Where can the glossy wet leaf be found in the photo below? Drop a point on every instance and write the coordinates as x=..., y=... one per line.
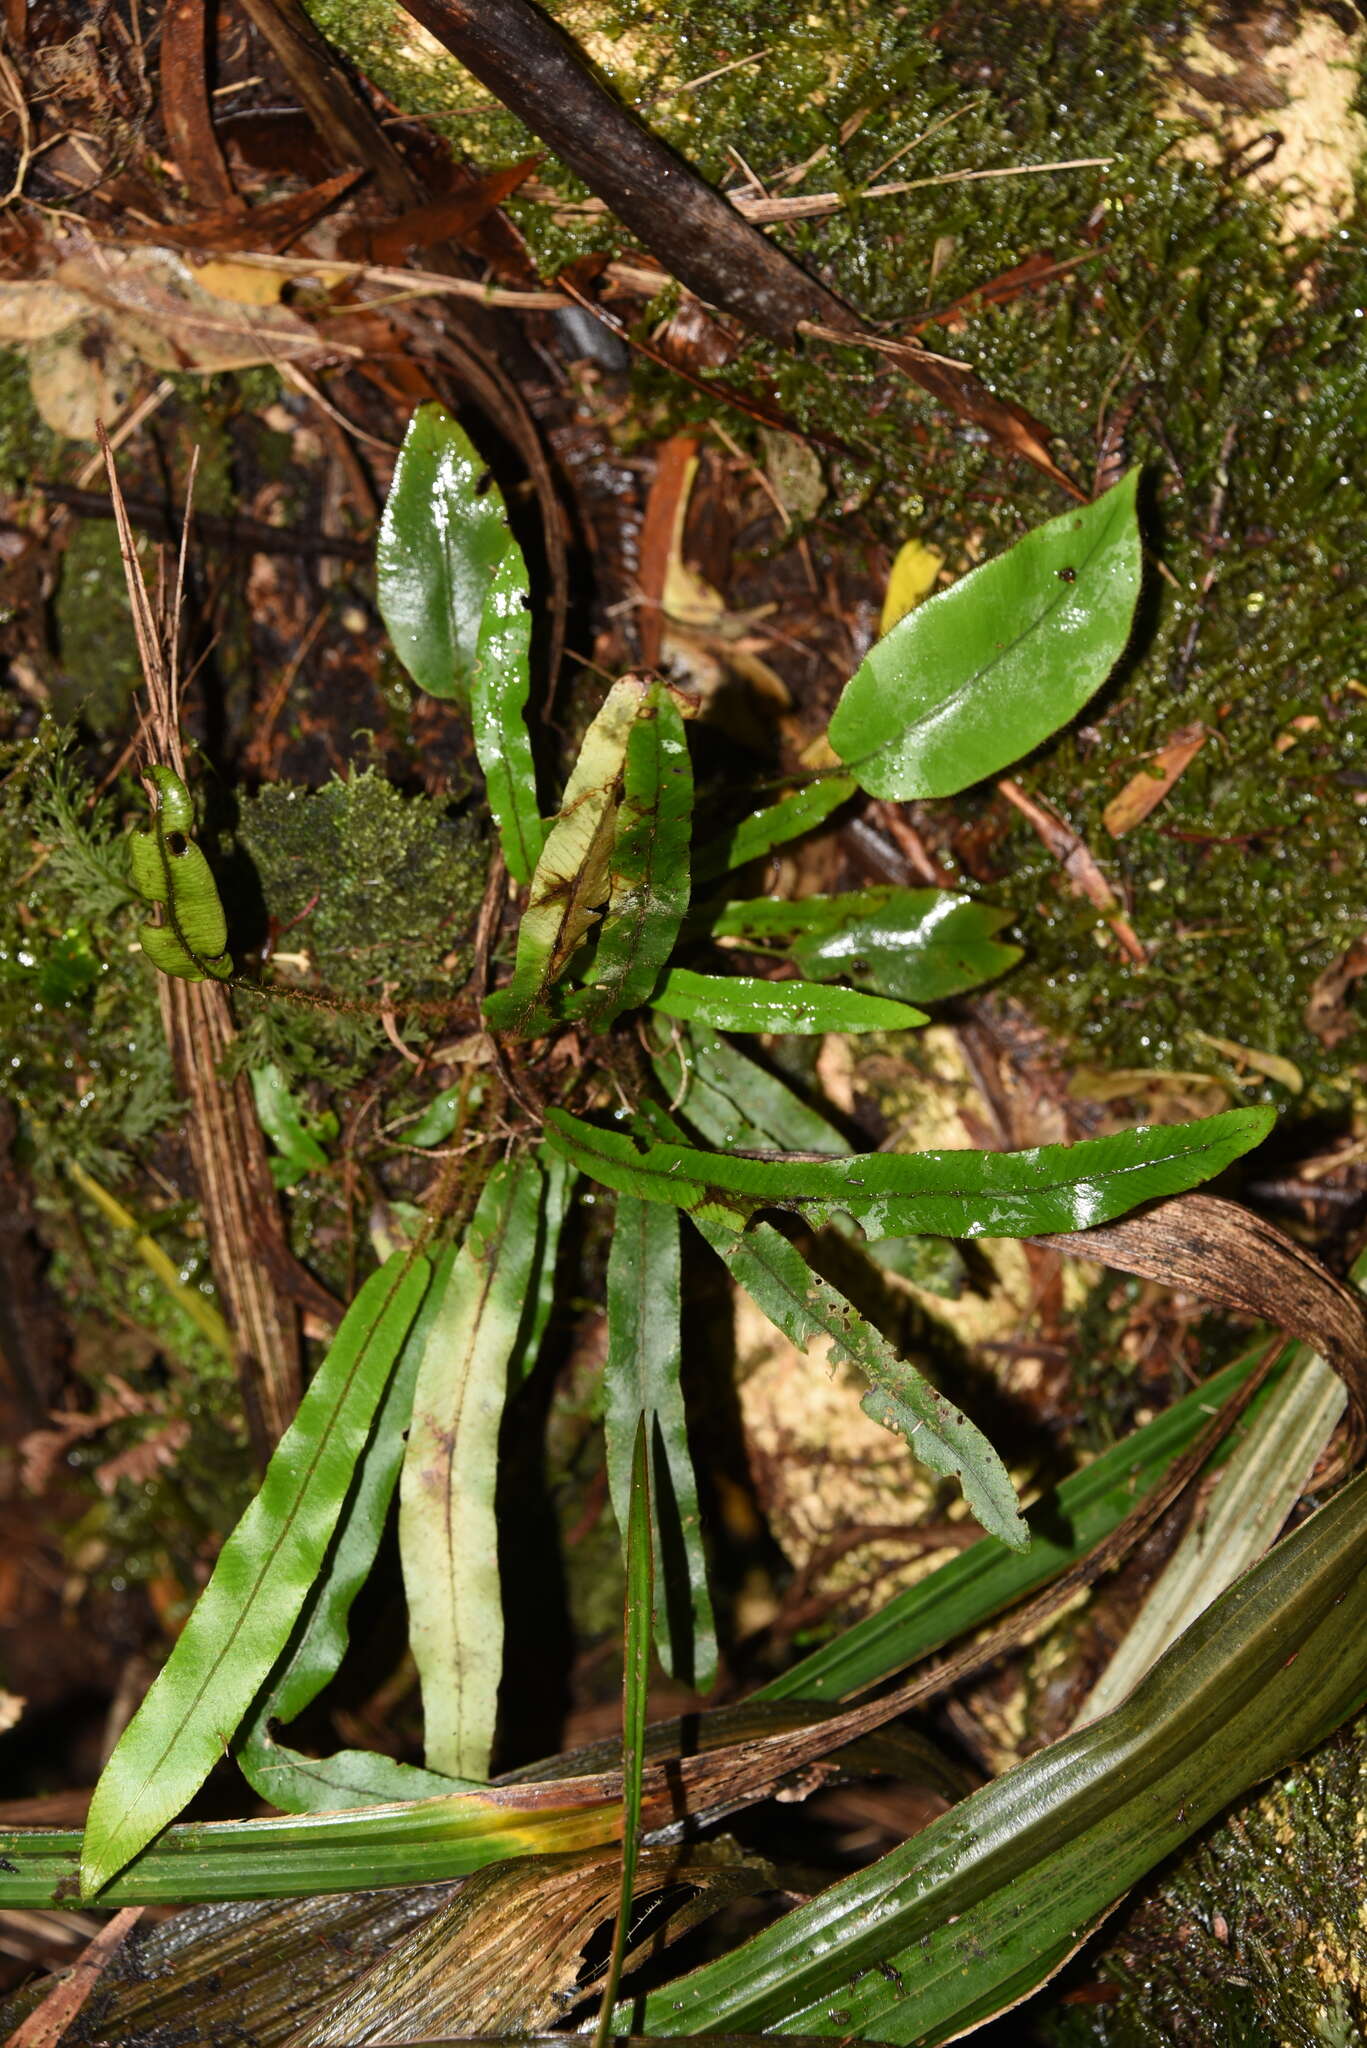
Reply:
x=166, y=867
x=805, y=1307
x=950, y=1194
x=973, y=1912
x=734, y=1002
x=498, y=705
x=448, y=1537
x=648, y=866
x=442, y=538
x=730, y=1100
x=641, y=1386
x=981, y=673
x=572, y=877
x=244, y=1617
x=772, y=825
x=298, y=1150
x=304, y=1784
x=919, y=944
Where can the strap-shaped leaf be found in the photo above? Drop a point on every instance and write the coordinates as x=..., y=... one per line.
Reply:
x=973, y=1912
x=731, y=1101
x=641, y=1385
x=984, y=671
x=949, y=1194
x=559, y=1180
x=801, y=1304
x=498, y=706
x=571, y=882
x=166, y=867
x=734, y=1002
x=351, y=1777
x=448, y=1537
x=244, y=1617
x=919, y=944
x=648, y=866
x=772, y=826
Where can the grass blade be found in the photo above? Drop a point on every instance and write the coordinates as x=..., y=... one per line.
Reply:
x=635, y=1697
x=948, y=1194
x=1065, y=1524
x=641, y=1386
x=733, y=1002
x=649, y=865
x=263, y=1575
x=970, y=1914
x=448, y=1537
x=981, y=673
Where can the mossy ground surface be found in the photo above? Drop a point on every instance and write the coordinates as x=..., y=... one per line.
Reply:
x=1228, y=360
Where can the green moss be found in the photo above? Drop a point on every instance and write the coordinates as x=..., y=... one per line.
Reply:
x=376, y=885
x=1237, y=360
x=1254, y=1934
x=87, y=1061
x=97, y=653
x=26, y=445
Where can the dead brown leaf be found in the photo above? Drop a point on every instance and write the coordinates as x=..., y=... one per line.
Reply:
x=1146, y=790
x=1327, y=1013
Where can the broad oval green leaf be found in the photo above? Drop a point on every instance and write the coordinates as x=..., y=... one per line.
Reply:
x=919, y=944
x=641, y=1384
x=984, y=671
x=901, y=1194
x=448, y=1537
x=442, y=538
x=969, y=1915
x=244, y=1617
x=735, y=1002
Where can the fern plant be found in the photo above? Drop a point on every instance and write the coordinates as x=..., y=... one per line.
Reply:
x=627, y=899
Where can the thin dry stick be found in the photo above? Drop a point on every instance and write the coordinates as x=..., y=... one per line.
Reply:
x=47, y=2023
x=227, y=1148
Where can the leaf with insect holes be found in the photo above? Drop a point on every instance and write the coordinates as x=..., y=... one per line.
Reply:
x=243, y=1619
x=166, y=867
x=981, y=673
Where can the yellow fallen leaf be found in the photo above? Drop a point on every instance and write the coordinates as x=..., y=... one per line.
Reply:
x=1144, y=791
x=1271, y=1064
x=241, y=282
x=912, y=579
